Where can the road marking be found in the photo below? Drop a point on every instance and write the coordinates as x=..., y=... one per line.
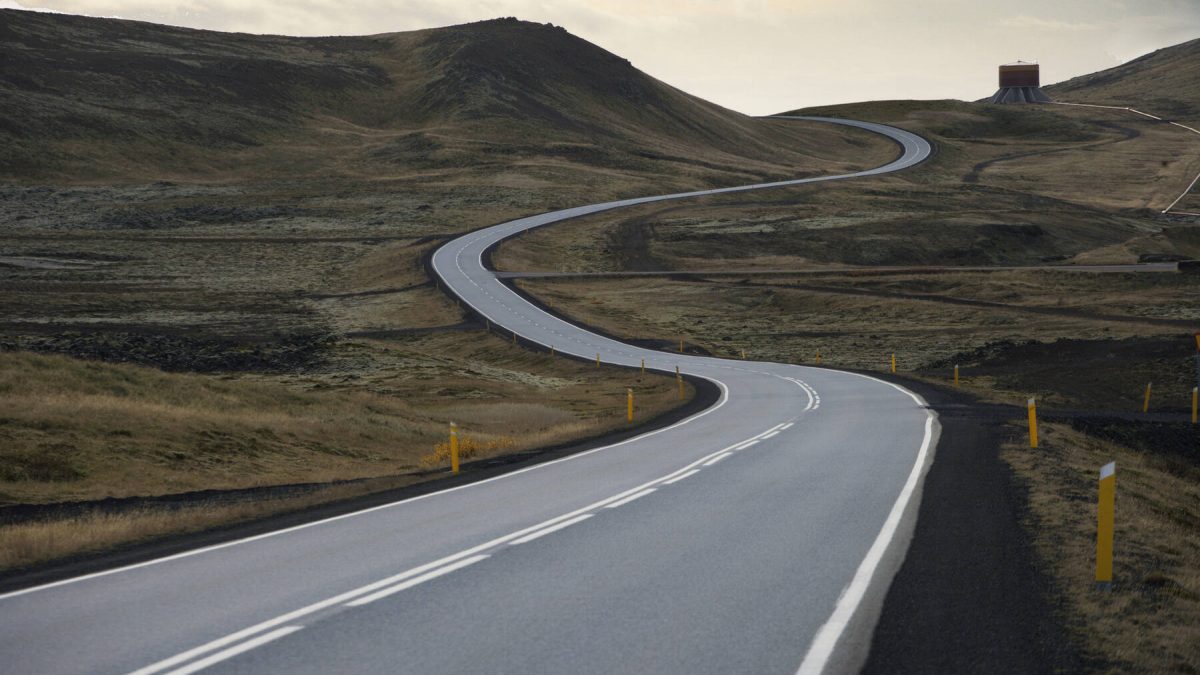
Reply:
x=718, y=458
x=724, y=398
x=349, y=595
x=747, y=444
x=680, y=477
x=550, y=530
x=826, y=639
x=234, y=651
x=773, y=434
x=636, y=495
x=787, y=426
x=428, y=576
x=814, y=401
x=906, y=139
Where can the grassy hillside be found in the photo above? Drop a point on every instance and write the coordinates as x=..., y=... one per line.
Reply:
x=1166, y=82
x=91, y=100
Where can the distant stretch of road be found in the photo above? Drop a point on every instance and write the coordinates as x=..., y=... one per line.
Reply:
x=758, y=535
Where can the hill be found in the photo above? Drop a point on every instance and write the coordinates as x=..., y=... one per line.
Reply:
x=1166, y=82
x=107, y=100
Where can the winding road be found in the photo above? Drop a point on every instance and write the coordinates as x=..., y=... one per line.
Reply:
x=758, y=535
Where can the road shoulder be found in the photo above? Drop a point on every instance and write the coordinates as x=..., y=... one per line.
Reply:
x=969, y=596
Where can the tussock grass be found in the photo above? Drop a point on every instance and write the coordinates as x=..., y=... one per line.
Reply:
x=861, y=331
x=469, y=447
x=81, y=430
x=77, y=430
x=1149, y=620
x=27, y=544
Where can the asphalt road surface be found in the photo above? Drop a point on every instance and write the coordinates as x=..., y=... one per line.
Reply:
x=758, y=535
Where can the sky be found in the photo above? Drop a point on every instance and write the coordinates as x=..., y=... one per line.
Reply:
x=754, y=56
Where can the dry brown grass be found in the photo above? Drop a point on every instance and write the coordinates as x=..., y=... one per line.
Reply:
x=784, y=318
x=1148, y=622
x=78, y=430
x=28, y=544
x=1089, y=156
x=505, y=104
x=469, y=448
x=84, y=430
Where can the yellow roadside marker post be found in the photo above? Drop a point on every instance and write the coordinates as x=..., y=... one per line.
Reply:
x=629, y=405
x=893, y=362
x=453, y=448
x=597, y=359
x=818, y=357
x=1033, y=441
x=514, y=338
x=1197, y=357
x=1104, y=531
x=1146, y=401
x=643, y=366
x=743, y=354
x=680, y=345
x=956, y=374
x=1195, y=399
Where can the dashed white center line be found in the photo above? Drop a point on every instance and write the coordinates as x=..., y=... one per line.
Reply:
x=787, y=426
x=235, y=650
x=428, y=576
x=636, y=495
x=680, y=477
x=428, y=572
x=550, y=530
x=773, y=434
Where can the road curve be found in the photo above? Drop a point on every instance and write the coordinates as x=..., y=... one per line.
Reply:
x=756, y=536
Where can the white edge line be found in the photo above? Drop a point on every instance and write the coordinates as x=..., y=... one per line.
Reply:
x=235, y=650
x=718, y=458
x=215, y=547
x=827, y=637
x=428, y=576
x=552, y=529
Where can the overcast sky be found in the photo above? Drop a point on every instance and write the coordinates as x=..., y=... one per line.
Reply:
x=755, y=56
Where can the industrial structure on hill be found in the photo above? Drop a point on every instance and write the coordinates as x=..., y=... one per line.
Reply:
x=1020, y=82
